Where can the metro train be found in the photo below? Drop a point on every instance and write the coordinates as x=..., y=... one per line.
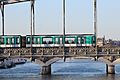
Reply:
x=71, y=40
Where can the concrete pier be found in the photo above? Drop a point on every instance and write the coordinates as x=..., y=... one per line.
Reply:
x=110, y=69
x=46, y=70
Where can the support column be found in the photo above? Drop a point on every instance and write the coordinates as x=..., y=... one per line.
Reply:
x=46, y=70
x=110, y=69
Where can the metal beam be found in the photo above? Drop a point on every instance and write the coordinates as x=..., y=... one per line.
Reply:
x=64, y=25
x=33, y=12
x=95, y=18
x=95, y=22
x=3, y=20
x=32, y=24
x=13, y=1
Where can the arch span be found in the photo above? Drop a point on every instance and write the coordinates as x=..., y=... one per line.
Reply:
x=117, y=61
x=49, y=62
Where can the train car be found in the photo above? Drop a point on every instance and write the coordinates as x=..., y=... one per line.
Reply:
x=10, y=41
x=79, y=40
x=57, y=40
x=71, y=40
x=43, y=41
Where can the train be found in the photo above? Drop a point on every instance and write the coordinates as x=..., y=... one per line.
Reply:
x=69, y=40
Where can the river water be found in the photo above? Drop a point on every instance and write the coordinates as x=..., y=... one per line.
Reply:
x=69, y=70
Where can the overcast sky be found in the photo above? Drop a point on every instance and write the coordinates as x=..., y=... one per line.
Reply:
x=79, y=17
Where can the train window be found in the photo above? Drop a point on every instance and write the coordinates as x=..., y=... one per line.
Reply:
x=47, y=40
x=12, y=40
x=8, y=40
x=44, y=42
x=1, y=40
x=70, y=40
x=79, y=40
x=17, y=40
x=93, y=39
x=61, y=41
x=56, y=41
x=38, y=39
x=82, y=40
x=66, y=42
x=28, y=40
x=34, y=40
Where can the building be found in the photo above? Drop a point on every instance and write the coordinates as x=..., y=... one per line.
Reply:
x=100, y=41
x=112, y=42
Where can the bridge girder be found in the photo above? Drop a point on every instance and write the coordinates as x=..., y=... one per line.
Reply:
x=12, y=1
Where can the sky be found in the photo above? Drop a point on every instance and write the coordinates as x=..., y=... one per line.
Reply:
x=79, y=17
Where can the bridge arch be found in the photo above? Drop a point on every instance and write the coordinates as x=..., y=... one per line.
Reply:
x=110, y=64
x=47, y=63
x=117, y=61
x=46, y=66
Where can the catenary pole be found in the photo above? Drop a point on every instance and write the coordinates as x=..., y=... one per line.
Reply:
x=95, y=22
x=64, y=25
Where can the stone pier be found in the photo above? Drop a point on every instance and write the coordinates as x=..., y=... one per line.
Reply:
x=46, y=70
x=45, y=63
x=110, y=69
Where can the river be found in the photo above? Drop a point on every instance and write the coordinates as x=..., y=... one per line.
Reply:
x=69, y=70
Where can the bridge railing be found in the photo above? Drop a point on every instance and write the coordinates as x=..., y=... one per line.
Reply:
x=53, y=51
